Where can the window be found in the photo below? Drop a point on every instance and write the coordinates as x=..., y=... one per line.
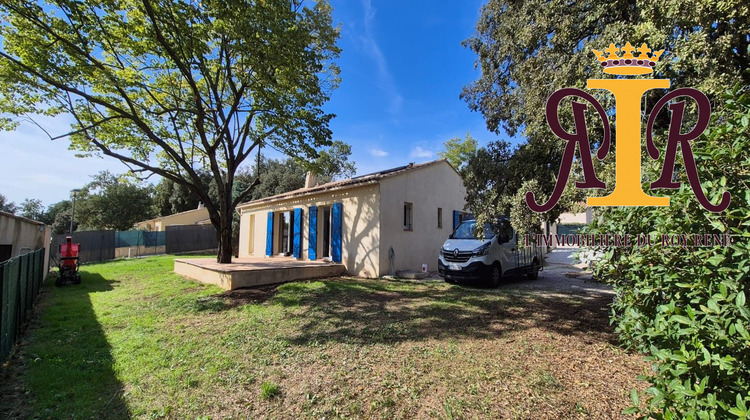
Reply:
x=440, y=218
x=286, y=239
x=407, y=216
x=325, y=220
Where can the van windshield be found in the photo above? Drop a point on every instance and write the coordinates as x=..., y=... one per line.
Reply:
x=467, y=230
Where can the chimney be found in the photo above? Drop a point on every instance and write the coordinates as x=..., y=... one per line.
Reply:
x=311, y=179
x=200, y=205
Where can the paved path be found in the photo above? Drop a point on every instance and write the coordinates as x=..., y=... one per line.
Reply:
x=562, y=273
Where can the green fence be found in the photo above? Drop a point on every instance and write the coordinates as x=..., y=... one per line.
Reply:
x=20, y=281
x=128, y=238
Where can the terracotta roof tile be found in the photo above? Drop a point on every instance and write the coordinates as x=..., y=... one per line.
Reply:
x=371, y=178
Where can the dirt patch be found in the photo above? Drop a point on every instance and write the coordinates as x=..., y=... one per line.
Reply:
x=439, y=351
x=239, y=297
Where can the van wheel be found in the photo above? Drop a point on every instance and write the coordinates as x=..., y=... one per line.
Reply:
x=496, y=274
x=533, y=273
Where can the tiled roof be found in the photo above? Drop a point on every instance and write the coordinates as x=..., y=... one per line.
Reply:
x=371, y=178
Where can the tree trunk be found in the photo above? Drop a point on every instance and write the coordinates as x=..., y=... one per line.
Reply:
x=224, y=236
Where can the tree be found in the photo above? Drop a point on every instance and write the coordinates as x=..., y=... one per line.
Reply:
x=162, y=193
x=458, y=152
x=684, y=305
x=111, y=202
x=529, y=49
x=171, y=87
x=497, y=178
x=7, y=206
x=685, y=302
x=277, y=177
x=61, y=223
x=333, y=162
x=171, y=198
x=526, y=50
x=32, y=209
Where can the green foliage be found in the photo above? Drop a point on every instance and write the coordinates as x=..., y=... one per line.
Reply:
x=171, y=87
x=497, y=178
x=458, y=152
x=277, y=176
x=171, y=197
x=58, y=217
x=7, y=206
x=32, y=209
x=688, y=306
x=333, y=162
x=111, y=202
x=269, y=390
x=528, y=49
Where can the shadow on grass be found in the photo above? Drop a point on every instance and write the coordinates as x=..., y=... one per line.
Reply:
x=65, y=364
x=369, y=312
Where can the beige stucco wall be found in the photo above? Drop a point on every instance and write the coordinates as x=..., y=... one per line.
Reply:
x=427, y=189
x=190, y=217
x=139, y=251
x=25, y=235
x=360, y=226
x=582, y=218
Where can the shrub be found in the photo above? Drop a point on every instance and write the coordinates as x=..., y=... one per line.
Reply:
x=687, y=306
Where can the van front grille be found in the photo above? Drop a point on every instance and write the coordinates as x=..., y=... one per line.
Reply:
x=462, y=256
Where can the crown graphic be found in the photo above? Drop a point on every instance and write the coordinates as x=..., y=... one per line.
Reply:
x=628, y=64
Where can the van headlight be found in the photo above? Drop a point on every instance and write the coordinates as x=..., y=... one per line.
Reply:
x=482, y=250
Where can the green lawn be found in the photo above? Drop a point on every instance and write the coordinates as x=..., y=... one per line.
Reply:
x=136, y=340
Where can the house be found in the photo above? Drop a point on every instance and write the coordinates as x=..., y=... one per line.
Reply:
x=569, y=224
x=198, y=216
x=19, y=236
x=374, y=224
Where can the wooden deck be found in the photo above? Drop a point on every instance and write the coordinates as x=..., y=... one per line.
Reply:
x=249, y=272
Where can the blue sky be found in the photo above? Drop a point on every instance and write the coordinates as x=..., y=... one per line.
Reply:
x=402, y=70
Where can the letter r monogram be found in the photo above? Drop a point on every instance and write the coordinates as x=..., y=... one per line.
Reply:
x=628, y=190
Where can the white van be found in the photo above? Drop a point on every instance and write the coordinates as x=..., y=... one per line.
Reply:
x=464, y=257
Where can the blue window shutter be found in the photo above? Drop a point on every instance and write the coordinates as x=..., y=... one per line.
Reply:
x=269, y=235
x=297, y=240
x=336, y=232
x=456, y=218
x=312, y=240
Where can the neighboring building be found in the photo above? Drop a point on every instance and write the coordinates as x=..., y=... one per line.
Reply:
x=410, y=209
x=19, y=236
x=198, y=216
x=571, y=223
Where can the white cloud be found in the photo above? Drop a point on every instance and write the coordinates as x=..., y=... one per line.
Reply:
x=421, y=153
x=378, y=152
